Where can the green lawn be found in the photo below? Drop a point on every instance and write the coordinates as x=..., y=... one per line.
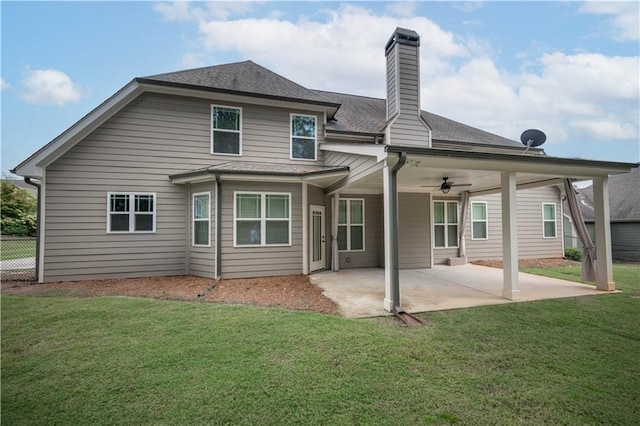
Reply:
x=132, y=361
x=16, y=248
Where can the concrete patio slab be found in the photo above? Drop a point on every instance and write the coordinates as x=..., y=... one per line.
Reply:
x=359, y=293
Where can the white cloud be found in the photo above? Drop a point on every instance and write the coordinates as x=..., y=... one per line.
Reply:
x=342, y=50
x=4, y=85
x=468, y=6
x=186, y=11
x=403, y=9
x=624, y=17
x=50, y=87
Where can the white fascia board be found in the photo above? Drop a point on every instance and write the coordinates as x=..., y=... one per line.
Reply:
x=34, y=165
x=370, y=150
x=513, y=165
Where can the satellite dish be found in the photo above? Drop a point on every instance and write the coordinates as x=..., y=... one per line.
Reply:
x=533, y=137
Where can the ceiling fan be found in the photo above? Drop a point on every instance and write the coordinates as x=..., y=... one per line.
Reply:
x=446, y=186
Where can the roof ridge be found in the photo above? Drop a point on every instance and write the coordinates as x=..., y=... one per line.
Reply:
x=198, y=68
x=348, y=94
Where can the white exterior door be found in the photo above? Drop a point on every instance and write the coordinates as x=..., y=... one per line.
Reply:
x=316, y=238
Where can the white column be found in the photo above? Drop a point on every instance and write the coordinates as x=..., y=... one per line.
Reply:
x=386, y=191
x=335, y=212
x=305, y=230
x=604, y=269
x=510, y=287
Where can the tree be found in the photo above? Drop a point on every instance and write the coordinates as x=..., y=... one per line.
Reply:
x=18, y=211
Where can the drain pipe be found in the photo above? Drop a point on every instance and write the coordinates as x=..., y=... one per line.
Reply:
x=218, y=226
x=38, y=223
x=395, y=272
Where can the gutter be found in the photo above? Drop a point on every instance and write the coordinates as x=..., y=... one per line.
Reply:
x=38, y=223
x=218, y=226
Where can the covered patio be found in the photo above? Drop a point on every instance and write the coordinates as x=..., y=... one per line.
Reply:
x=358, y=292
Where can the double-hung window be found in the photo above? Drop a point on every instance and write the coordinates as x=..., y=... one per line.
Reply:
x=262, y=219
x=479, y=220
x=226, y=130
x=351, y=224
x=445, y=224
x=202, y=219
x=549, y=220
x=131, y=212
x=303, y=137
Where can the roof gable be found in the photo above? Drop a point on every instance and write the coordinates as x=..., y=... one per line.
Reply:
x=245, y=77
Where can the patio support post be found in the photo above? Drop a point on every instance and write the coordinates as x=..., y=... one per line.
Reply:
x=510, y=287
x=604, y=269
x=305, y=230
x=335, y=211
x=386, y=191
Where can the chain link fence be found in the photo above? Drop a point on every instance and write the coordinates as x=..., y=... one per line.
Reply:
x=17, y=258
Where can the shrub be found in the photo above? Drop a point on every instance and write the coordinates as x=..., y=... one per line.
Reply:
x=573, y=254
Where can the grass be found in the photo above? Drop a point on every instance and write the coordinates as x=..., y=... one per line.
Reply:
x=133, y=361
x=16, y=248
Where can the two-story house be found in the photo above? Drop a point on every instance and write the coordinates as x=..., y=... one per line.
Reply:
x=234, y=171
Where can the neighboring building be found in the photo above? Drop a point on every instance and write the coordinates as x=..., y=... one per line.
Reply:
x=21, y=184
x=234, y=171
x=624, y=211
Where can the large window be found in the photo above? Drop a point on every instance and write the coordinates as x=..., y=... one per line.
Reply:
x=479, y=220
x=131, y=212
x=226, y=129
x=303, y=137
x=549, y=220
x=445, y=223
x=351, y=224
x=202, y=219
x=262, y=219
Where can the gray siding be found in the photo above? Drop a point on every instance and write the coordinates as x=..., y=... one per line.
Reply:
x=531, y=243
x=392, y=86
x=407, y=128
x=135, y=151
x=414, y=236
x=201, y=260
x=372, y=256
x=246, y=262
x=625, y=240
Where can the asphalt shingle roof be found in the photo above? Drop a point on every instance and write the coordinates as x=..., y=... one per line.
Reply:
x=241, y=77
x=624, y=197
x=362, y=114
x=250, y=167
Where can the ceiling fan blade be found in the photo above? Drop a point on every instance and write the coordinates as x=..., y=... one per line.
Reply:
x=460, y=184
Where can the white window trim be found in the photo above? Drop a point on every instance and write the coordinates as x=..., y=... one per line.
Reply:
x=131, y=213
x=239, y=131
x=315, y=138
x=445, y=224
x=194, y=220
x=349, y=224
x=263, y=219
x=486, y=221
x=555, y=221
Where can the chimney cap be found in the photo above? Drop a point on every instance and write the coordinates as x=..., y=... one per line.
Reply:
x=402, y=36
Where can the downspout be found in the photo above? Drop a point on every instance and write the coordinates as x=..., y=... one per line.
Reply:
x=38, y=224
x=395, y=270
x=218, y=226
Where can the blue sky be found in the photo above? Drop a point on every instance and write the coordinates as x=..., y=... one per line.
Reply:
x=571, y=69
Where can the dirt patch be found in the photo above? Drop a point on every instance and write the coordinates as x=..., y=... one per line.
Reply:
x=530, y=263
x=290, y=292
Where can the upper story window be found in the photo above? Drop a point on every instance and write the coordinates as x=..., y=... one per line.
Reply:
x=445, y=224
x=131, y=212
x=351, y=224
x=226, y=130
x=479, y=229
x=549, y=220
x=303, y=137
